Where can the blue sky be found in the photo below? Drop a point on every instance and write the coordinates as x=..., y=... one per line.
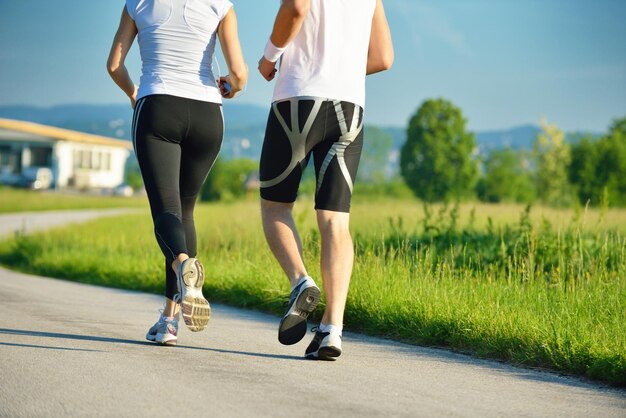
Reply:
x=504, y=62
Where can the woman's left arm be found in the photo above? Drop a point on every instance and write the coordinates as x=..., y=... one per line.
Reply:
x=237, y=68
x=124, y=38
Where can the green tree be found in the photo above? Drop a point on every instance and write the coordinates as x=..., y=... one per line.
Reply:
x=213, y=187
x=236, y=172
x=611, y=168
x=552, y=159
x=507, y=177
x=227, y=179
x=583, y=170
x=375, y=156
x=436, y=161
x=133, y=174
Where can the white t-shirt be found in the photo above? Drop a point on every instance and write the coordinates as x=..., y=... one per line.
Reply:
x=177, y=41
x=328, y=57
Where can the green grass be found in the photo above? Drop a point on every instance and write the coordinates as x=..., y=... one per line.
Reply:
x=20, y=200
x=544, y=288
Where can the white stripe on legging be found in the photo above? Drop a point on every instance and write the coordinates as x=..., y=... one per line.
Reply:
x=138, y=107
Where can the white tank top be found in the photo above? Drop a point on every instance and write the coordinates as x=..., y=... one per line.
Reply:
x=328, y=57
x=177, y=41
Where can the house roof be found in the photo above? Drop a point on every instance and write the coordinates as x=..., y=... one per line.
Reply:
x=59, y=134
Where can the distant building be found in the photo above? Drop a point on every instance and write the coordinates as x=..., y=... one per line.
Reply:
x=40, y=156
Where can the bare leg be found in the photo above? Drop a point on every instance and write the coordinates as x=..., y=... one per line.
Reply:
x=178, y=261
x=283, y=239
x=336, y=262
x=172, y=308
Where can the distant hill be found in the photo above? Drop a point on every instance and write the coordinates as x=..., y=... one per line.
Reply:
x=245, y=126
x=520, y=137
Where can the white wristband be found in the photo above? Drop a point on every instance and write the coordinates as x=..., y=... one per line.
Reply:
x=272, y=52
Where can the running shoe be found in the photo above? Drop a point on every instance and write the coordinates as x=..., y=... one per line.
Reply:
x=195, y=308
x=325, y=346
x=302, y=301
x=164, y=331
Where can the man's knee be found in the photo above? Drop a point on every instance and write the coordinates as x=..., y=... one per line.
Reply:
x=269, y=207
x=333, y=223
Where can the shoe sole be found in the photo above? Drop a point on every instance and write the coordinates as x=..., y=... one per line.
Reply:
x=292, y=327
x=194, y=307
x=164, y=340
x=325, y=353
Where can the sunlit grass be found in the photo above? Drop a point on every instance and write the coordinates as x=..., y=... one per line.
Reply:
x=19, y=200
x=544, y=288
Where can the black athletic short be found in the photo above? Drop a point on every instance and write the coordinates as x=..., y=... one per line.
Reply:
x=331, y=130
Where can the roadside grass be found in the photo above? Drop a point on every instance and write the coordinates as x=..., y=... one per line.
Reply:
x=20, y=200
x=539, y=288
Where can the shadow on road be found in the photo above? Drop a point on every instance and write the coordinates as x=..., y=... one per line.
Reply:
x=30, y=333
x=71, y=336
x=48, y=347
x=245, y=353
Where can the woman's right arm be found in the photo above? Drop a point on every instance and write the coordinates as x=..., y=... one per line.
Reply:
x=380, y=53
x=124, y=38
x=237, y=68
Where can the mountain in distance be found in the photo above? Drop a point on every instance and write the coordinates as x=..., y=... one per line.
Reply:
x=520, y=137
x=245, y=126
x=245, y=123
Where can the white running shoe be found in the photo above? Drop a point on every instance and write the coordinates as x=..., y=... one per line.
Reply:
x=303, y=299
x=195, y=308
x=164, y=331
x=325, y=346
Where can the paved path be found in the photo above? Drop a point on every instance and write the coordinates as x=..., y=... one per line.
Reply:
x=27, y=222
x=68, y=349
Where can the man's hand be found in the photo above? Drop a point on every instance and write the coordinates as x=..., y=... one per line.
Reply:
x=267, y=69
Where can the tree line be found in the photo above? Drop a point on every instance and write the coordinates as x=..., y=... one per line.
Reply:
x=440, y=162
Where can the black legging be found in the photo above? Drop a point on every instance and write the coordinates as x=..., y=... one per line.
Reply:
x=176, y=142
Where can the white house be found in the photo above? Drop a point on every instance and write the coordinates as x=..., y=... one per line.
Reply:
x=75, y=160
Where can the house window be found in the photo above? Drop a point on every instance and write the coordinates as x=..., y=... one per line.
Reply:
x=92, y=160
x=106, y=161
x=82, y=159
x=95, y=160
x=5, y=156
x=41, y=156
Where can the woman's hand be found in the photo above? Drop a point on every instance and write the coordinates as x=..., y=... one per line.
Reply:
x=228, y=89
x=133, y=98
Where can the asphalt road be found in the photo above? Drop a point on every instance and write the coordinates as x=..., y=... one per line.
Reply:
x=68, y=349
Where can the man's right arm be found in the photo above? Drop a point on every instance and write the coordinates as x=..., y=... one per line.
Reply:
x=288, y=23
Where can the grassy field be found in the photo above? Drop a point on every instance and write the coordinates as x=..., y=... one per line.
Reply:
x=20, y=200
x=541, y=288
